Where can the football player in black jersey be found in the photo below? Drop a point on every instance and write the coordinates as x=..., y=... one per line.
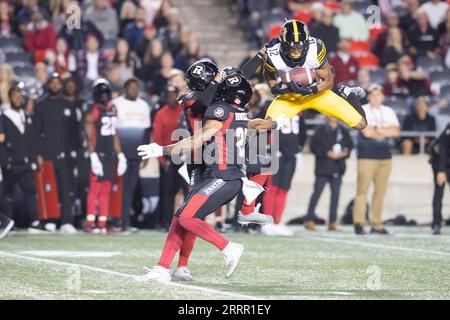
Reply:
x=105, y=154
x=223, y=176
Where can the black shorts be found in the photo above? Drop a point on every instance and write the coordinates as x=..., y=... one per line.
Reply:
x=207, y=196
x=286, y=170
x=109, y=162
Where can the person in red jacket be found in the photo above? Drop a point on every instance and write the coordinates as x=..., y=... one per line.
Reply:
x=40, y=35
x=165, y=123
x=344, y=64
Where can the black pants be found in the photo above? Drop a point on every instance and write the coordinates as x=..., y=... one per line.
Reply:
x=24, y=176
x=437, y=201
x=319, y=185
x=207, y=196
x=130, y=182
x=170, y=183
x=65, y=181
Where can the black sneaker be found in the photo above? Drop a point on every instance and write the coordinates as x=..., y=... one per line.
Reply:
x=380, y=231
x=38, y=228
x=6, y=225
x=436, y=230
x=359, y=229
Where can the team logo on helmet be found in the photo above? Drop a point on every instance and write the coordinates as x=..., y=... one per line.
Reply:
x=219, y=112
x=233, y=81
x=198, y=70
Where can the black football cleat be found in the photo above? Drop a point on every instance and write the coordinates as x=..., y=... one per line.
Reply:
x=383, y=231
x=436, y=230
x=6, y=224
x=359, y=229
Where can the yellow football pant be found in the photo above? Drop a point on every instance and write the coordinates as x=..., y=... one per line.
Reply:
x=326, y=102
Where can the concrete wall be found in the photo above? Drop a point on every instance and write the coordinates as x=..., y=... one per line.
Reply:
x=410, y=190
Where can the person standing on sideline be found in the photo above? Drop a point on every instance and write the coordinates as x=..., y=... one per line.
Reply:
x=133, y=116
x=374, y=159
x=440, y=162
x=54, y=121
x=331, y=145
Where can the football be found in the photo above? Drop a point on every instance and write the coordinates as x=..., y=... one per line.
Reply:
x=299, y=75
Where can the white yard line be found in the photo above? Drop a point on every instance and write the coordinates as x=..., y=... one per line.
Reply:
x=375, y=245
x=212, y=292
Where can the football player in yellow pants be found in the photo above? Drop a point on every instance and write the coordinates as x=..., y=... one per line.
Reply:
x=295, y=48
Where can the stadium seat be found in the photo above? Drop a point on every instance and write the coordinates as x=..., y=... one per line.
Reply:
x=109, y=44
x=358, y=47
x=428, y=65
x=10, y=43
x=399, y=105
x=304, y=16
x=445, y=92
x=375, y=31
x=274, y=31
x=24, y=73
x=274, y=17
x=440, y=78
x=367, y=60
x=378, y=76
x=18, y=57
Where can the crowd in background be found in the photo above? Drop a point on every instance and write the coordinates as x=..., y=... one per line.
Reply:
x=406, y=52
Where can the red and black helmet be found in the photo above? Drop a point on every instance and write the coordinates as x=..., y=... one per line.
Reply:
x=101, y=91
x=200, y=74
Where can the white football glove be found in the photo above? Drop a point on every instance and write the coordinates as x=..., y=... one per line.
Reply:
x=96, y=165
x=122, y=164
x=152, y=150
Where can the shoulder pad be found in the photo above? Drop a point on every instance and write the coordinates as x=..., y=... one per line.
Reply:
x=321, y=51
x=219, y=110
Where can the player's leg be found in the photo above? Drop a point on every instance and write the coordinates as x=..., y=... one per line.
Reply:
x=212, y=194
x=103, y=205
x=329, y=103
x=249, y=212
x=92, y=199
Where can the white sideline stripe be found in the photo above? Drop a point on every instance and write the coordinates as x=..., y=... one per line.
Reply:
x=379, y=246
x=125, y=275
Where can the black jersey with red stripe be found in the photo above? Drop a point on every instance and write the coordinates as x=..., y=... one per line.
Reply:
x=193, y=108
x=105, y=122
x=224, y=154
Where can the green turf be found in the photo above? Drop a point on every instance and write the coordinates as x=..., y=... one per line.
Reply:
x=411, y=265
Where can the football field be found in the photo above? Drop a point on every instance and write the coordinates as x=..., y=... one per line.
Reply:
x=411, y=264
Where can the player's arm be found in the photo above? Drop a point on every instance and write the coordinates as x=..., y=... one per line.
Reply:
x=116, y=141
x=89, y=129
x=326, y=74
x=196, y=141
x=250, y=67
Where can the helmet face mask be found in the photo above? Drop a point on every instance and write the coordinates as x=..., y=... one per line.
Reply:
x=294, y=39
x=200, y=74
x=101, y=92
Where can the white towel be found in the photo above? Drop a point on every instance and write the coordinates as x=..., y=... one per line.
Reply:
x=251, y=190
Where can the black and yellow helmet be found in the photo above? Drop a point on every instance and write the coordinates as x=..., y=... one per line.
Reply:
x=294, y=36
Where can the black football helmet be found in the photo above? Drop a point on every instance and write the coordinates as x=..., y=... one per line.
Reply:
x=199, y=74
x=236, y=90
x=101, y=91
x=294, y=36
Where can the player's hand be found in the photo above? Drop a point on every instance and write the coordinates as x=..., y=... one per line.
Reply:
x=122, y=164
x=96, y=165
x=152, y=150
x=441, y=178
x=277, y=89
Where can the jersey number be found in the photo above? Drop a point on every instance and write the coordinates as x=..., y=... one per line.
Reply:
x=108, y=126
x=291, y=126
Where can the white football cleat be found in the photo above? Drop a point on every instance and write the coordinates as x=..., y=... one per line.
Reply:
x=232, y=254
x=268, y=230
x=254, y=217
x=182, y=274
x=156, y=273
x=68, y=229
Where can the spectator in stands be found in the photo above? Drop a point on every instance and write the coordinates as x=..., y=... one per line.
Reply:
x=60, y=59
x=418, y=120
x=326, y=31
x=7, y=77
x=440, y=162
x=350, y=23
x=423, y=40
x=151, y=61
x=54, y=123
x=298, y=6
x=165, y=122
x=126, y=59
x=127, y=15
x=160, y=81
x=435, y=11
x=58, y=9
x=26, y=11
x=442, y=28
x=142, y=45
x=90, y=64
x=133, y=115
x=6, y=27
x=114, y=78
x=104, y=18
x=134, y=31
x=188, y=55
x=374, y=160
x=177, y=79
x=170, y=34
x=41, y=74
x=393, y=21
x=331, y=145
x=19, y=154
x=77, y=37
x=40, y=35
x=363, y=78
x=394, y=47
x=160, y=19
x=408, y=18
x=415, y=81
x=392, y=86
x=345, y=65
x=444, y=41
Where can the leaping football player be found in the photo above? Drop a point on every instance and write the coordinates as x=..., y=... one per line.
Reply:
x=295, y=48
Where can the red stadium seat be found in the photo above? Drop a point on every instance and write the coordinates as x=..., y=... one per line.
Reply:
x=374, y=32
x=368, y=60
x=304, y=16
x=357, y=46
x=274, y=31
